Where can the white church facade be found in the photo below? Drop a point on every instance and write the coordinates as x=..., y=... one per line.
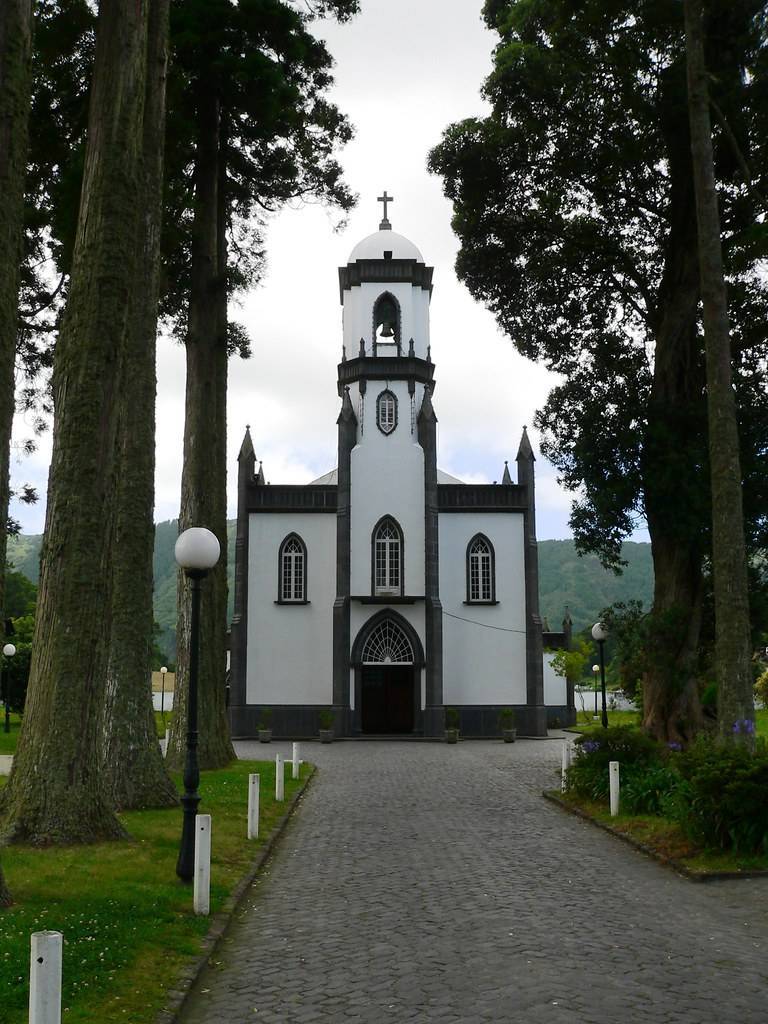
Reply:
x=388, y=591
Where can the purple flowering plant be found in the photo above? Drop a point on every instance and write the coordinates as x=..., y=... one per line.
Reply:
x=744, y=727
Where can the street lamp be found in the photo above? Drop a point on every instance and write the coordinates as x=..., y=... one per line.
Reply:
x=163, y=670
x=600, y=633
x=8, y=652
x=595, y=670
x=197, y=551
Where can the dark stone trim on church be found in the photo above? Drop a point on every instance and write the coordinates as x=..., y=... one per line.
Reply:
x=384, y=272
x=365, y=368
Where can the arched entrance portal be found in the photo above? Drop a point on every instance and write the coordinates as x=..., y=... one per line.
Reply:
x=388, y=657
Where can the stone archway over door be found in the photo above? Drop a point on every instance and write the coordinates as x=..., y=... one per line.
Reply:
x=388, y=676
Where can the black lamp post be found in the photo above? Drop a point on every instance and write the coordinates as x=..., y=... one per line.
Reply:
x=8, y=652
x=595, y=670
x=197, y=551
x=600, y=633
x=163, y=670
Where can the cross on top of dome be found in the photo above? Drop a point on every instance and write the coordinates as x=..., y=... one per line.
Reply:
x=385, y=225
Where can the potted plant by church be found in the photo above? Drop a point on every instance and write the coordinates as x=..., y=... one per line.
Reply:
x=451, y=725
x=264, y=726
x=326, y=726
x=507, y=724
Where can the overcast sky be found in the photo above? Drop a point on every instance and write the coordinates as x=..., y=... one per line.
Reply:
x=405, y=69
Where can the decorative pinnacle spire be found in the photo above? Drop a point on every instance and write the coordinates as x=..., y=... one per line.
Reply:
x=506, y=478
x=525, y=451
x=347, y=412
x=260, y=475
x=427, y=411
x=246, y=448
x=385, y=225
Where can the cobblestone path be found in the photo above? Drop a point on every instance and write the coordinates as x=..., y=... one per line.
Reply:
x=424, y=882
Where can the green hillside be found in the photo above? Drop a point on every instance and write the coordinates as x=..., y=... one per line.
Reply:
x=565, y=579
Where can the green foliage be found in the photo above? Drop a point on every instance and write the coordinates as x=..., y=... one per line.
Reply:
x=722, y=802
x=580, y=583
x=326, y=719
x=572, y=665
x=507, y=718
x=20, y=595
x=265, y=719
x=632, y=748
x=651, y=789
x=276, y=137
x=761, y=688
x=451, y=718
x=572, y=204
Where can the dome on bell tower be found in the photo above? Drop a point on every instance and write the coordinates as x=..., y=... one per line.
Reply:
x=385, y=244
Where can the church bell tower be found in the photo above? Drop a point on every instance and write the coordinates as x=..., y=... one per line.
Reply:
x=387, y=478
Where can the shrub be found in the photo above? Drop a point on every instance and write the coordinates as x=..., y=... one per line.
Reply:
x=265, y=719
x=507, y=718
x=588, y=775
x=723, y=803
x=451, y=718
x=650, y=789
x=326, y=719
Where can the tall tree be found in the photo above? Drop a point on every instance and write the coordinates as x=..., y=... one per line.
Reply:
x=574, y=204
x=250, y=81
x=56, y=791
x=15, y=84
x=136, y=775
x=15, y=87
x=733, y=648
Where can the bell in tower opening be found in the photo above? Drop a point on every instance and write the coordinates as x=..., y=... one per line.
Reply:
x=386, y=321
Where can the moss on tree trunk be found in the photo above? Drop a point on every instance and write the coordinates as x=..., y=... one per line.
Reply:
x=56, y=791
x=134, y=769
x=204, y=475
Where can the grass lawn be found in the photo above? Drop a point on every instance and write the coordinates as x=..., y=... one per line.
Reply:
x=666, y=840
x=127, y=920
x=585, y=722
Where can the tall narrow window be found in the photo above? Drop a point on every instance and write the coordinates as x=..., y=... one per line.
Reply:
x=293, y=569
x=481, y=582
x=387, y=557
x=386, y=412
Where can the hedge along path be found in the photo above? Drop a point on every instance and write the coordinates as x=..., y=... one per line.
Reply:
x=132, y=943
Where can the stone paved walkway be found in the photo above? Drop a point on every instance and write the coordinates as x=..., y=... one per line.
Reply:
x=423, y=882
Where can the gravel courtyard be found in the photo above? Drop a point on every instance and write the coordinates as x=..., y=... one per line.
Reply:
x=425, y=882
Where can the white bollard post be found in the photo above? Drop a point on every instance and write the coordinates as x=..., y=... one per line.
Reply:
x=253, y=806
x=279, y=778
x=566, y=765
x=45, y=978
x=296, y=754
x=201, y=895
x=613, y=778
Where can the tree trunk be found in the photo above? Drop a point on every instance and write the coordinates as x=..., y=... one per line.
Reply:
x=15, y=85
x=674, y=487
x=735, y=703
x=5, y=896
x=56, y=791
x=135, y=773
x=204, y=477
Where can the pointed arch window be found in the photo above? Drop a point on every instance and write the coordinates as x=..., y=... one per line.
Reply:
x=386, y=412
x=387, y=557
x=481, y=571
x=292, y=570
